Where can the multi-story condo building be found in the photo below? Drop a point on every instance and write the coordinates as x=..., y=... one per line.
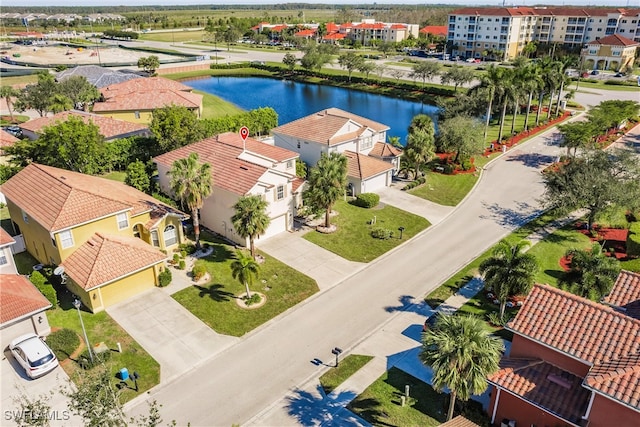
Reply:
x=472, y=31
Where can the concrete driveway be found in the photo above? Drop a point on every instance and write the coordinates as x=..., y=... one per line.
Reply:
x=173, y=336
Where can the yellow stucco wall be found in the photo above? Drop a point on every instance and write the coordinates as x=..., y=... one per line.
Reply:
x=36, y=238
x=129, y=116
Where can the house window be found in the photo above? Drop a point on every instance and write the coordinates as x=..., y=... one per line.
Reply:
x=66, y=239
x=3, y=258
x=280, y=192
x=123, y=221
x=155, y=241
x=170, y=236
x=136, y=114
x=25, y=217
x=289, y=164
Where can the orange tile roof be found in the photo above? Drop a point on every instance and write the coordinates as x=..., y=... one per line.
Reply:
x=106, y=258
x=543, y=385
x=398, y=27
x=149, y=84
x=438, y=30
x=269, y=151
x=5, y=238
x=296, y=183
x=459, y=421
x=362, y=166
x=617, y=379
x=109, y=128
x=305, y=33
x=332, y=26
x=543, y=11
x=58, y=199
x=323, y=127
x=575, y=326
x=381, y=149
x=19, y=298
x=6, y=139
x=614, y=40
x=229, y=172
x=625, y=293
x=334, y=36
x=495, y=11
x=148, y=100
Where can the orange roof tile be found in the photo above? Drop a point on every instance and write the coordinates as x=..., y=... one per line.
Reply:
x=625, y=293
x=332, y=26
x=229, y=172
x=459, y=421
x=106, y=258
x=149, y=84
x=544, y=385
x=614, y=40
x=381, y=149
x=58, y=199
x=19, y=298
x=6, y=139
x=583, y=329
x=362, y=166
x=269, y=151
x=543, y=11
x=438, y=30
x=305, y=33
x=617, y=379
x=148, y=100
x=296, y=183
x=323, y=126
x=109, y=128
x=5, y=238
x=334, y=36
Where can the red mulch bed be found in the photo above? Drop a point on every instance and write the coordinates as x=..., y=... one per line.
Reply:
x=615, y=238
x=447, y=158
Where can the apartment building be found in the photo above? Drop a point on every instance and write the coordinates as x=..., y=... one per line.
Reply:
x=473, y=31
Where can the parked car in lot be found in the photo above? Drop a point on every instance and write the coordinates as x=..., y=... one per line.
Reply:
x=33, y=354
x=13, y=130
x=595, y=72
x=473, y=60
x=618, y=75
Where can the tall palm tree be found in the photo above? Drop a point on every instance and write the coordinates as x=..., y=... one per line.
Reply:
x=517, y=90
x=251, y=219
x=462, y=354
x=532, y=83
x=509, y=271
x=192, y=182
x=591, y=273
x=8, y=93
x=327, y=182
x=420, y=149
x=245, y=269
x=491, y=82
x=508, y=87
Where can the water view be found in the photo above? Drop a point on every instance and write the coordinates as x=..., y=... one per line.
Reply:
x=293, y=100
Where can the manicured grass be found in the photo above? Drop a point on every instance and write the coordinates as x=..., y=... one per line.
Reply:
x=116, y=176
x=602, y=86
x=448, y=190
x=17, y=118
x=19, y=80
x=25, y=262
x=380, y=403
x=347, y=367
x=353, y=240
x=215, y=302
x=179, y=35
x=102, y=328
x=214, y=107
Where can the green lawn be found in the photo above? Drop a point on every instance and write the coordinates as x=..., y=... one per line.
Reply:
x=347, y=367
x=179, y=35
x=448, y=190
x=214, y=107
x=116, y=176
x=353, y=240
x=380, y=403
x=601, y=86
x=215, y=302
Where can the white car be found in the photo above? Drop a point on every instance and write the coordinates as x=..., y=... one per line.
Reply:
x=33, y=354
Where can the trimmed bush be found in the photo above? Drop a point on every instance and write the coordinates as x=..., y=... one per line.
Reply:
x=382, y=233
x=199, y=270
x=63, y=343
x=164, y=278
x=367, y=200
x=182, y=265
x=40, y=282
x=633, y=240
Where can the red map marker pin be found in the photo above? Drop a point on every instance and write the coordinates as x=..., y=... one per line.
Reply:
x=244, y=133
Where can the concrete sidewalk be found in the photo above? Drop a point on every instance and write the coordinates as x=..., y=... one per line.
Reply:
x=433, y=212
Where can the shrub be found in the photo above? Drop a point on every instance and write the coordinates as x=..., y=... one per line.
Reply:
x=63, y=343
x=253, y=299
x=199, y=270
x=367, y=200
x=98, y=358
x=633, y=240
x=40, y=282
x=188, y=248
x=175, y=259
x=182, y=265
x=466, y=165
x=382, y=233
x=164, y=278
x=448, y=169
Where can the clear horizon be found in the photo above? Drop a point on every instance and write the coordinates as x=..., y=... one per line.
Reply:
x=89, y=3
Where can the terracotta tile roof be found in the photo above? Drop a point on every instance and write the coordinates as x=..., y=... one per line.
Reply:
x=459, y=421
x=109, y=128
x=148, y=84
x=6, y=139
x=495, y=11
x=105, y=258
x=58, y=199
x=324, y=127
x=617, y=379
x=398, y=27
x=362, y=166
x=543, y=11
x=438, y=30
x=334, y=36
x=332, y=27
x=381, y=149
x=296, y=183
x=229, y=172
x=19, y=298
x=543, y=385
x=148, y=100
x=583, y=329
x=614, y=40
x=305, y=33
x=271, y=152
x=626, y=293
x=5, y=238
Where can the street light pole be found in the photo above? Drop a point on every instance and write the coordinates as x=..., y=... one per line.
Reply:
x=76, y=304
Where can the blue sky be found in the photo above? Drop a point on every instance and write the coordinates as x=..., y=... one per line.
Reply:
x=631, y=3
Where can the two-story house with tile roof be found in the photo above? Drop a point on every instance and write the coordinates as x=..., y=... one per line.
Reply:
x=242, y=168
x=614, y=52
x=371, y=162
x=134, y=100
x=86, y=222
x=7, y=263
x=572, y=362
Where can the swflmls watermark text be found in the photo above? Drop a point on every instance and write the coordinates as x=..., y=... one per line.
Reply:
x=26, y=415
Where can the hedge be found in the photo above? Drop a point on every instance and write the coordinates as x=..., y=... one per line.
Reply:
x=633, y=240
x=367, y=200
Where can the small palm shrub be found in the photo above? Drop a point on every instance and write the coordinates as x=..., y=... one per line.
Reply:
x=382, y=233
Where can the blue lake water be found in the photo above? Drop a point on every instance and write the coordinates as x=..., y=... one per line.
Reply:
x=292, y=100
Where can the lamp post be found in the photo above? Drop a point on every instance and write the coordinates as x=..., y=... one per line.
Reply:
x=76, y=304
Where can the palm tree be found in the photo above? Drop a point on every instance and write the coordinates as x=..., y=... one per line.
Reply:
x=8, y=93
x=491, y=81
x=420, y=150
x=508, y=87
x=245, y=269
x=462, y=354
x=251, y=219
x=192, y=182
x=532, y=83
x=509, y=271
x=591, y=273
x=327, y=182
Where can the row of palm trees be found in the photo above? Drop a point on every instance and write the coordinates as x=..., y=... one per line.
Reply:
x=509, y=87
